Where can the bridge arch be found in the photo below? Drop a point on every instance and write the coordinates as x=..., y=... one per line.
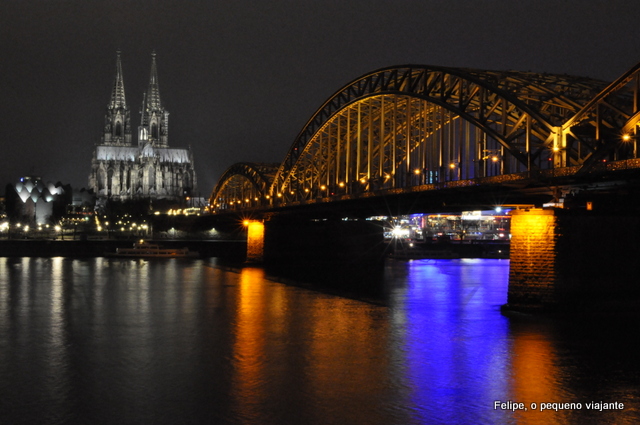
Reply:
x=404, y=128
x=415, y=125
x=243, y=185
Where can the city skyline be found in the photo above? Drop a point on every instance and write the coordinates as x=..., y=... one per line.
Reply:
x=242, y=79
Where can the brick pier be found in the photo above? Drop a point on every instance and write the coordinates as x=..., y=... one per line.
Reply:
x=534, y=269
x=567, y=260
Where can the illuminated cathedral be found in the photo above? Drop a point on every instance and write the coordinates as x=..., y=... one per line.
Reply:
x=150, y=169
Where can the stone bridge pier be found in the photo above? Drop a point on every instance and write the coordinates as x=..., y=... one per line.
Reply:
x=566, y=260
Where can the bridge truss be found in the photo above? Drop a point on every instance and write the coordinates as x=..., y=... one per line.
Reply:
x=409, y=127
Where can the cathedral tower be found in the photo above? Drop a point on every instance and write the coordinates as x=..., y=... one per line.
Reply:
x=154, y=125
x=117, y=120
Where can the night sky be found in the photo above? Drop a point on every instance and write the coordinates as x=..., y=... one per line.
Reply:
x=241, y=78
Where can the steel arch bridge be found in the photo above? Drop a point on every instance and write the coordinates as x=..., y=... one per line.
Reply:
x=412, y=128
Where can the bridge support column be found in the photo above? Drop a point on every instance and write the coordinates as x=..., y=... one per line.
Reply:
x=255, y=241
x=533, y=273
x=573, y=261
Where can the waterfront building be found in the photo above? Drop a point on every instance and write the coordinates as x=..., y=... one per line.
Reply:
x=149, y=169
x=31, y=201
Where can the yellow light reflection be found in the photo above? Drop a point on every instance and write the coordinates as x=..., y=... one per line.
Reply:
x=535, y=374
x=340, y=357
x=57, y=347
x=5, y=298
x=249, y=347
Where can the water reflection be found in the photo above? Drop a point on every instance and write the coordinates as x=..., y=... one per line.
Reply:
x=579, y=362
x=56, y=362
x=454, y=339
x=185, y=341
x=318, y=357
x=249, y=345
x=534, y=366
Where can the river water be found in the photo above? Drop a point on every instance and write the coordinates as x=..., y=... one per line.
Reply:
x=121, y=341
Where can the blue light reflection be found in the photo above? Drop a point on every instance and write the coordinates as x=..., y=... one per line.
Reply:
x=457, y=346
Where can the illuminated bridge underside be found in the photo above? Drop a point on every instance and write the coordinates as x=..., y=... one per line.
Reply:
x=414, y=128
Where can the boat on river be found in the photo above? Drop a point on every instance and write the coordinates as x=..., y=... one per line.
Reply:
x=144, y=249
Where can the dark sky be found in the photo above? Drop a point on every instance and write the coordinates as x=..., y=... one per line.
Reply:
x=241, y=78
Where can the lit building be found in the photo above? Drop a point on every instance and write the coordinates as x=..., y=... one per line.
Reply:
x=150, y=169
x=33, y=202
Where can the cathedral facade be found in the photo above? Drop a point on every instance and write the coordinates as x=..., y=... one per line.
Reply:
x=149, y=169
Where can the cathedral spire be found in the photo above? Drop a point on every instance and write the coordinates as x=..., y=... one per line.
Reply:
x=117, y=94
x=153, y=94
x=117, y=121
x=154, y=125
